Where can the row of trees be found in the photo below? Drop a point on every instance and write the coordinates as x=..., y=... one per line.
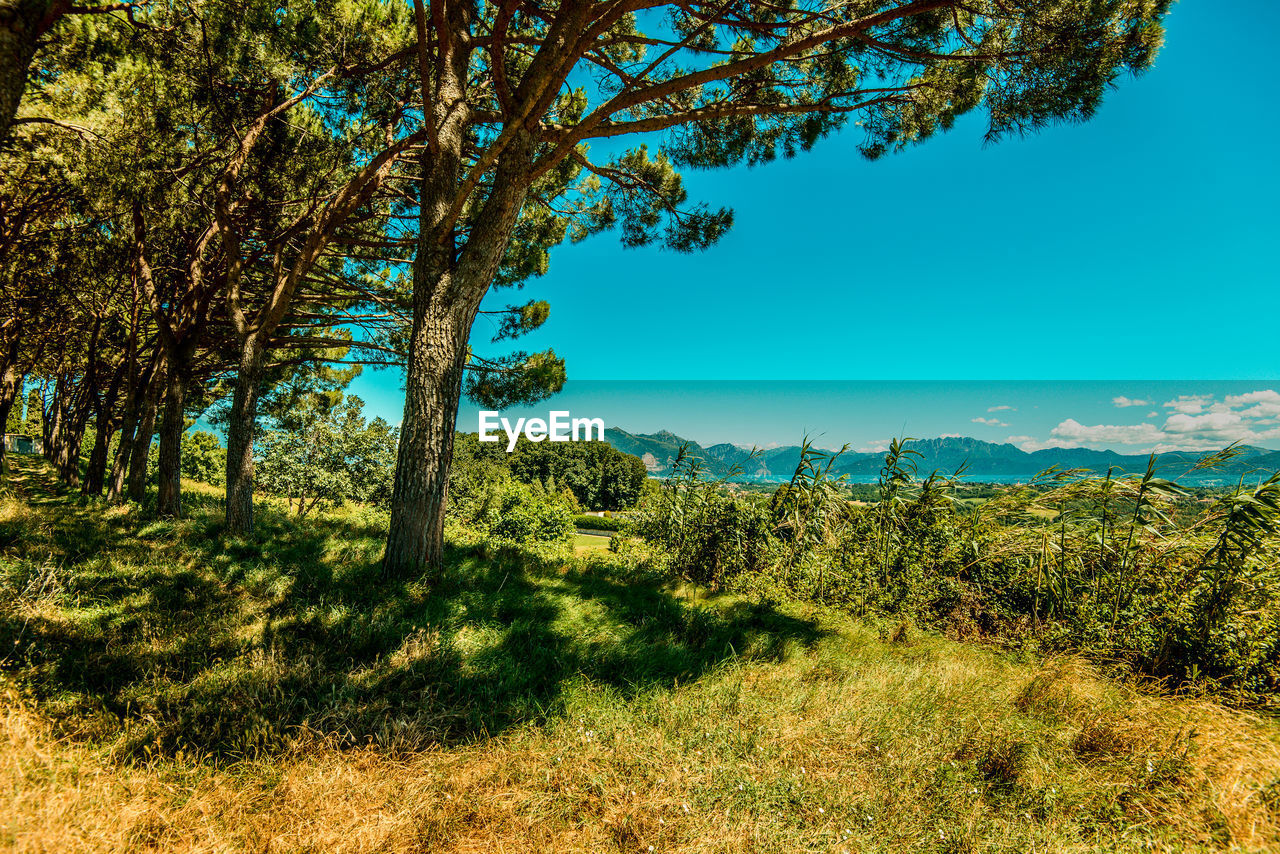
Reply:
x=198, y=197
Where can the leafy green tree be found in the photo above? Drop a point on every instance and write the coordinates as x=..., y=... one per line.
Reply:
x=16, y=422
x=323, y=453
x=513, y=95
x=24, y=24
x=484, y=494
x=33, y=422
x=36, y=206
x=599, y=476
x=203, y=458
x=477, y=468
x=230, y=145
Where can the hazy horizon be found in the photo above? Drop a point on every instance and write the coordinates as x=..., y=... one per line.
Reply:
x=1128, y=416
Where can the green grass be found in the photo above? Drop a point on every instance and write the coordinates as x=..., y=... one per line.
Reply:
x=590, y=541
x=170, y=689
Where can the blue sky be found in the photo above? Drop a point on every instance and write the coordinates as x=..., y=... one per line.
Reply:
x=1141, y=244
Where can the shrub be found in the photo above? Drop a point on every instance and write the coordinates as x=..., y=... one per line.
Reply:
x=599, y=523
x=519, y=515
x=709, y=535
x=594, y=473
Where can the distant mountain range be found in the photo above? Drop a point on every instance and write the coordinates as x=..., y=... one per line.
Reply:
x=1003, y=462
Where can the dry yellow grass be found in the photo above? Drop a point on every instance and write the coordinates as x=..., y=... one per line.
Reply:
x=855, y=745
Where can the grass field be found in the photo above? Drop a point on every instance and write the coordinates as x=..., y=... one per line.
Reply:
x=165, y=689
x=582, y=542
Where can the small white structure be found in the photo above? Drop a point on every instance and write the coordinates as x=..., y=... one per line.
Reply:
x=21, y=443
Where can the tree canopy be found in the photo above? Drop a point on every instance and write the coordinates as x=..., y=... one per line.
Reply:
x=199, y=197
x=515, y=95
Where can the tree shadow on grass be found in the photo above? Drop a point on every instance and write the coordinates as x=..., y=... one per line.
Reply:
x=245, y=645
x=68, y=527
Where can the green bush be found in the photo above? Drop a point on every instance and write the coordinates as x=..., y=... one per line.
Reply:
x=516, y=513
x=599, y=523
x=709, y=536
x=322, y=452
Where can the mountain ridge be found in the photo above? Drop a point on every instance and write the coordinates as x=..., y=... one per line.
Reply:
x=1003, y=460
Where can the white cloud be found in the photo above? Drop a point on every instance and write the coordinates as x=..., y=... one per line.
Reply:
x=1262, y=411
x=1258, y=404
x=1266, y=438
x=1189, y=404
x=990, y=422
x=952, y=436
x=1031, y=443
x=1217, y=428
x=1216, y=423
x=875, y=446
x=1197, y=422
x=1209, y=430
x=1264, y=403
x=1072, y=430
x=1002, y=408
x=1266, y=396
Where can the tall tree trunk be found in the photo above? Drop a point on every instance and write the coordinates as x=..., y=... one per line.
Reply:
x=53, y=422
x=9, y=385
x=136, y=382
x=172, y=424
x=141, y=450
x=48, y=418
x=446, y=297
x=437, y=359
x=96, y=474
x=120, y=460
x=104, y=428
x=136, y=401
x=68, y=460
x=70, y=417
x=73, y=417
x=21, y=23
x=240, y=432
